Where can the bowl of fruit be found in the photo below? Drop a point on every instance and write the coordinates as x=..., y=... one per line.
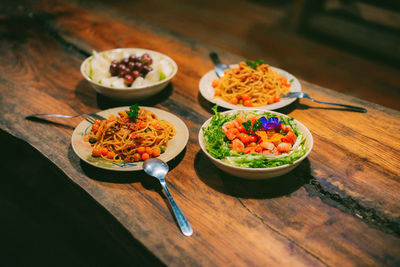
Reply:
x=128, y=73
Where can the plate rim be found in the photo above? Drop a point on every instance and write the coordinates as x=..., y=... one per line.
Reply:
x=139, y=167
x=204, y=86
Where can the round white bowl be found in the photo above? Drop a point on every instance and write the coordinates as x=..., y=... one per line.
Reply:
x=258, y=173
x=140, y=92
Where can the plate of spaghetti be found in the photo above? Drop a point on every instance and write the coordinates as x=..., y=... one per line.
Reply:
x=249, y=84
x=129, y=136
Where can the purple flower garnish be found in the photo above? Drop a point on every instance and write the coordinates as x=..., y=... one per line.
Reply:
x=271, y=123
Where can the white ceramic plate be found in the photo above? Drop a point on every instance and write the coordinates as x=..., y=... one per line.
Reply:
x=128, y=93
x=207, y=91
x=84, y=150
x=257, y=173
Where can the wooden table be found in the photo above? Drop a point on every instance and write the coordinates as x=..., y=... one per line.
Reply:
x=339, y=207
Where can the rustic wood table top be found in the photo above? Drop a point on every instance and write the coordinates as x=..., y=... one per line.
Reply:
x=340, y=206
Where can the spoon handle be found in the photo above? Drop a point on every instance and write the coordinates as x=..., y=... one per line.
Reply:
x=355, y=108
x=214, y=57
x=182, y=221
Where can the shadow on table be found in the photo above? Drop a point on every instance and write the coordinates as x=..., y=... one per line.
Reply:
x=85, y=93
x=258, y=189
x=52, y=221
x=126, y=177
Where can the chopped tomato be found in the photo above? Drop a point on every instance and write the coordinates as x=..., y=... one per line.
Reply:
x=149, y=150
x=258, y=149
x=252, y=118
x=270, y=100
x=245, y=97
x=289, y=138
x=241, y=118
x=104, y=151
x=237, y=145
x=244, y=138
x=234, y=100
x=215, y=83
x=241, y=128
x=232, y=133
x=110, y=155
x=95, y=127
x=253, y=138
x=96, y=152
x=137, y=157
x=249, y=149
x=141, y=149
x=248, y=103
x=277, y=98
x=145, y=156
x=156, y=151
x=97, y=122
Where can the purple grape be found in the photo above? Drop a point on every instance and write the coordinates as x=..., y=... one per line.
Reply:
x=138, y=65
x=132, y=58
x=113, y=69
x=128, y=79
x=135, y=73
x=121, y=67
x=122, y=73
x=131, y=65
x=125, y=61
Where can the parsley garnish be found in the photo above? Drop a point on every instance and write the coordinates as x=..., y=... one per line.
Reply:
x=255, y=63
x=252, y=128
x=257, y=125
x=247, y=125
x=291, y=80
x=133, y=111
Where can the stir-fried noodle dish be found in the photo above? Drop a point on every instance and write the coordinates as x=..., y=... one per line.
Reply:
x=251, y=84
x=136, y=134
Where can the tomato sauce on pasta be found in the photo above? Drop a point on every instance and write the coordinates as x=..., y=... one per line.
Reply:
x=252, y=87
x=121, y=138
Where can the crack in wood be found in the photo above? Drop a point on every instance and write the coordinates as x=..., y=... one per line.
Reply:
x=351, y=206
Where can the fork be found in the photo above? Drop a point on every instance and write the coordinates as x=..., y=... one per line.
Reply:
x=91, y=117
x=219, y=67
x=305, y=95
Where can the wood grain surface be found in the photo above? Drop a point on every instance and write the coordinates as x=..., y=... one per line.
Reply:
x=340, y=206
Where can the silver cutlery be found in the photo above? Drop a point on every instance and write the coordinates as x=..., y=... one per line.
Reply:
x=219, y=67
x=307, y=96
x=159, y=169
x=90, y=116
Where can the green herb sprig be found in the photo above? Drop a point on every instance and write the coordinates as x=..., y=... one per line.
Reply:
x=133, y=111
x=254, y=64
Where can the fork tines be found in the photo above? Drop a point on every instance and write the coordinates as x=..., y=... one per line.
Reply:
x=90, y=119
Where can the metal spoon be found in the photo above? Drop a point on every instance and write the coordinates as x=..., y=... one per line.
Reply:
x=159, y=169
x=305, y=95
x=219, y=67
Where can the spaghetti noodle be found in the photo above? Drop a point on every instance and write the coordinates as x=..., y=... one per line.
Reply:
x=129, y=139
x=255, y=85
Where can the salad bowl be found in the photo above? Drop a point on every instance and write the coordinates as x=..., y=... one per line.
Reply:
x=96, y=70
x=264, y=165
